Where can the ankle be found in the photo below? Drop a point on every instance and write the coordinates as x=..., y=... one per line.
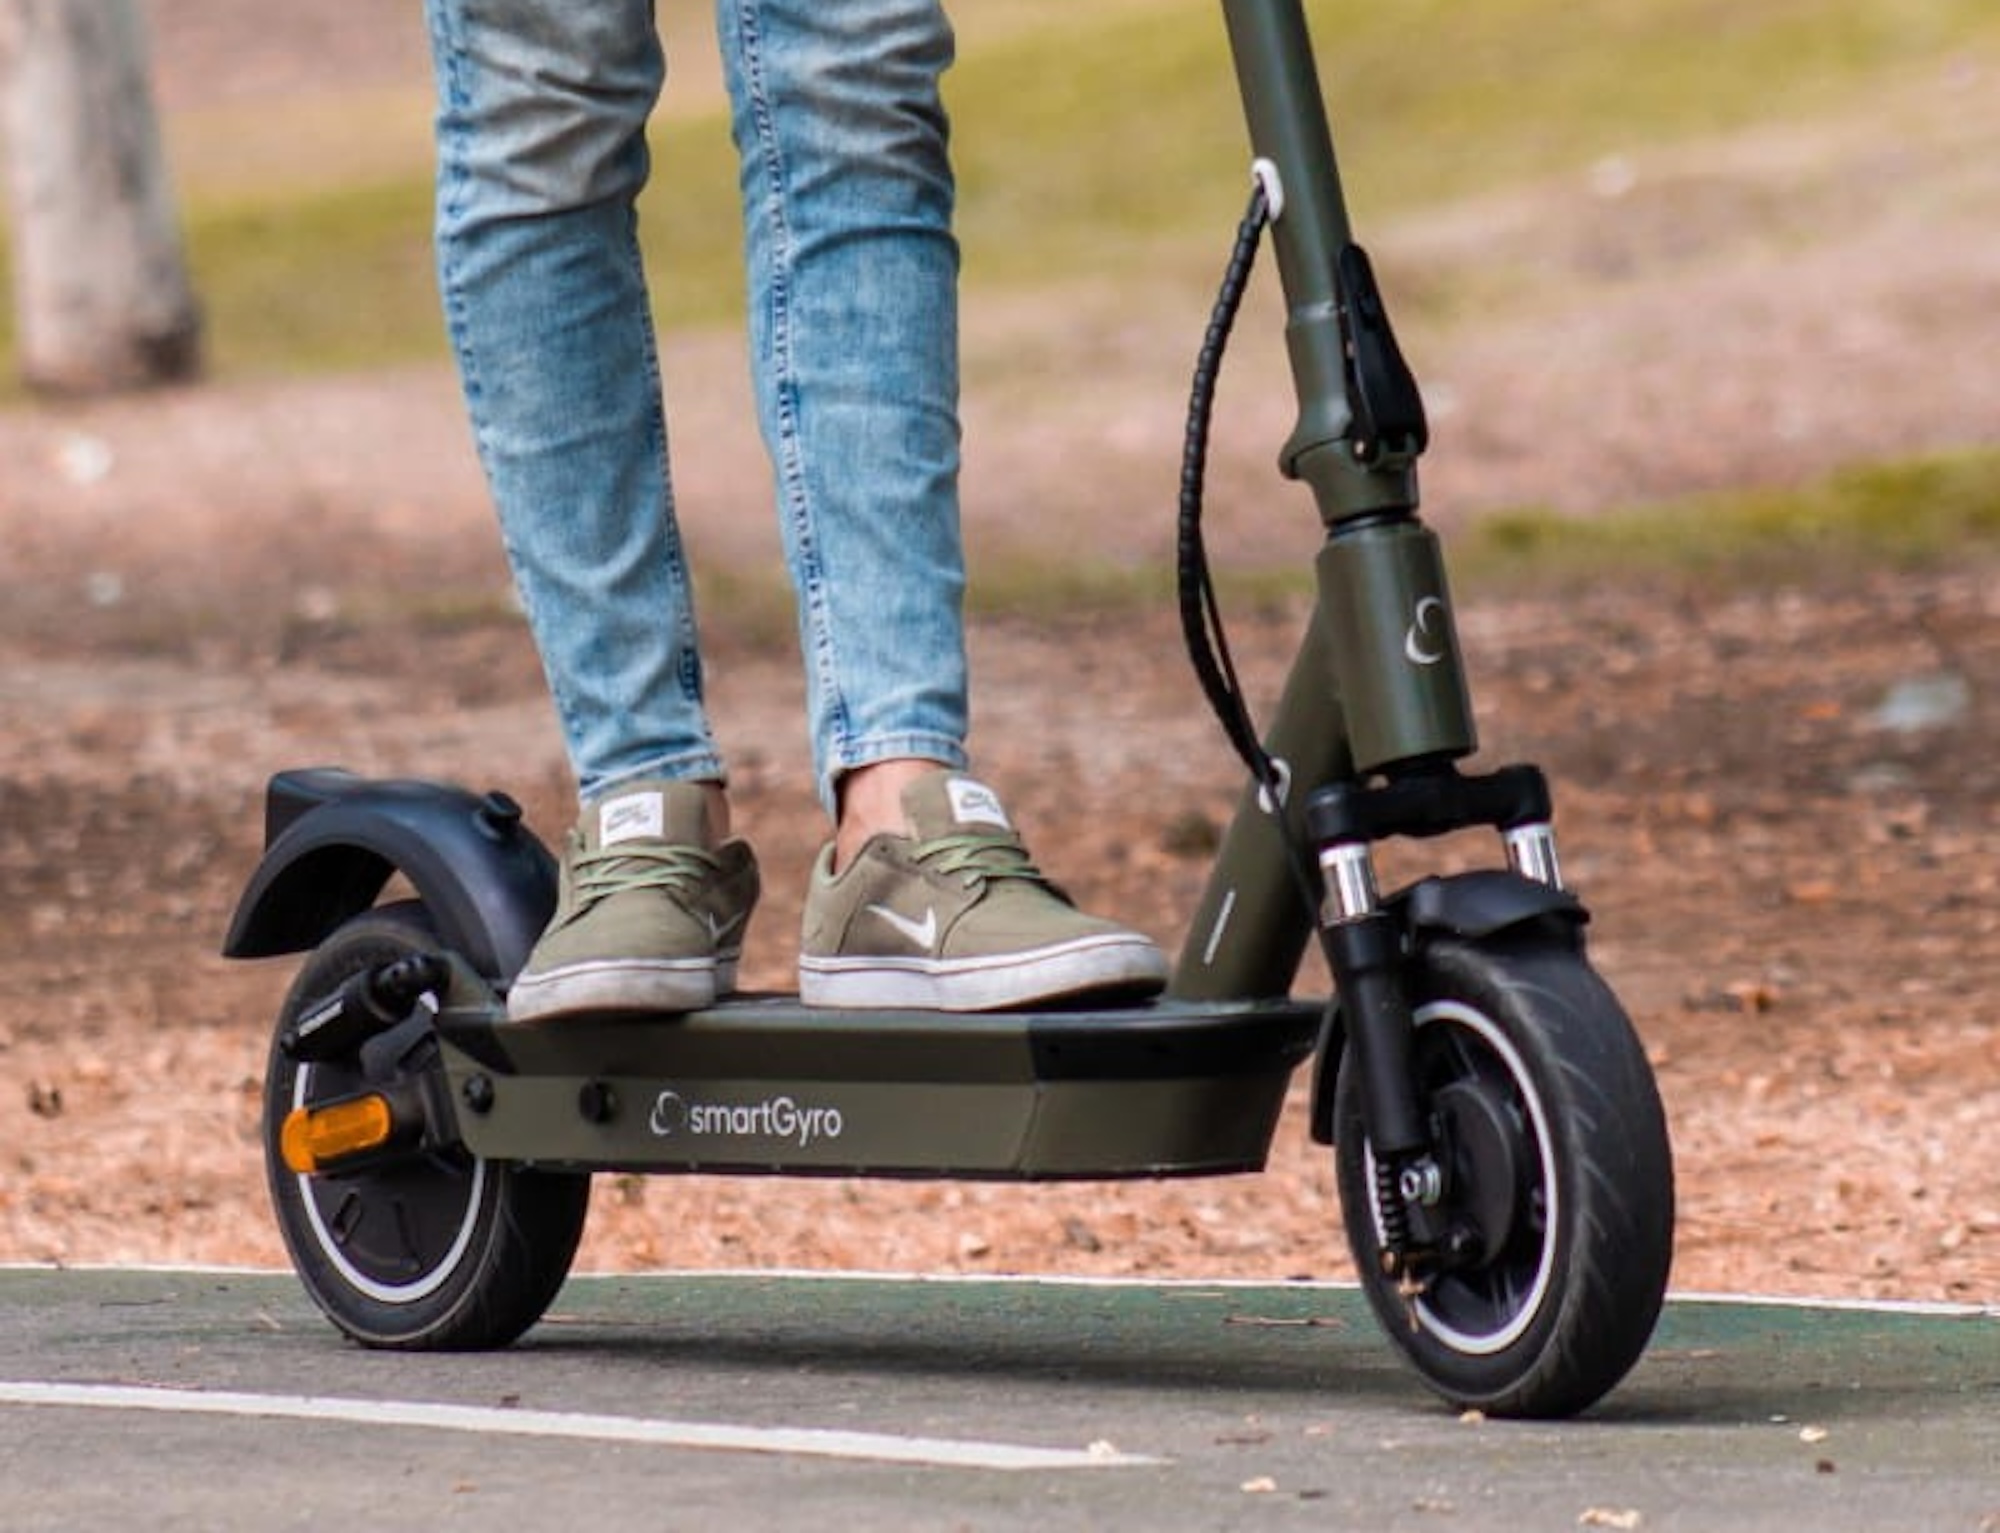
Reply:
x=870, y=803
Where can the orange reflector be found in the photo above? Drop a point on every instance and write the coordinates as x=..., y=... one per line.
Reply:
x=313, y=1136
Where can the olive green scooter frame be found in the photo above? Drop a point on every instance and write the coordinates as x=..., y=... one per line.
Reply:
x=1506, y=1180
x=766, y=1085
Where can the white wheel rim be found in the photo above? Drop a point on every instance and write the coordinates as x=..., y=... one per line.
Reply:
x=1485, y=1344
x=387, y=1293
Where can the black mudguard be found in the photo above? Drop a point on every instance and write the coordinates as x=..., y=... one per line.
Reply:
x=1476, y=904
x=332, y=840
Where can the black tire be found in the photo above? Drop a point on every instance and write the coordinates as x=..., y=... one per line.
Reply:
x=1555, y=1142
x=445, y=1251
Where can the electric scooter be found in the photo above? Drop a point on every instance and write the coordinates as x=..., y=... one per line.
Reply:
x=1502, y=1157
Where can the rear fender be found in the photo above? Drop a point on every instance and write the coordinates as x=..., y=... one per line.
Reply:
x=332, y=840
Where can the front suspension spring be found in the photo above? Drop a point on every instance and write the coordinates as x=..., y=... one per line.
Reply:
x=1395, y=1215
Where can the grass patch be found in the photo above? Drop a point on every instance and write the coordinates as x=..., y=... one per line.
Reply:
x=1089, y=145
x=1093, y=141
x=1923, y=511
x=343, y=279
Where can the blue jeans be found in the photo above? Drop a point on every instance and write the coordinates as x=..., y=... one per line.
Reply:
x=847, y=205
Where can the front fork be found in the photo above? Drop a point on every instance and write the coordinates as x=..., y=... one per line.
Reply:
x=1369, y=949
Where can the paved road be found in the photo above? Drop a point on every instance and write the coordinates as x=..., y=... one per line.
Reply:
x=221, y=1401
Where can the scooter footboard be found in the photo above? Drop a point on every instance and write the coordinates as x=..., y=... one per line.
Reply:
x=767, y=1085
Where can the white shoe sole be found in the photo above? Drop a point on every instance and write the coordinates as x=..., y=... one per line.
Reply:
x=1119, y=962
x=621, y=985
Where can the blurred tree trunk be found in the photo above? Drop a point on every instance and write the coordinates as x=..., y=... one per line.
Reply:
x=102, y=296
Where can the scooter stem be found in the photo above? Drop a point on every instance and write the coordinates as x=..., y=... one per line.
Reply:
x=1286, y=116
x=1377, y=682
x=1387, y=613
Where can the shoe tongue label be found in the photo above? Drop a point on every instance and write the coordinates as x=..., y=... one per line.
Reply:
x=973, y=803
x=632, y=817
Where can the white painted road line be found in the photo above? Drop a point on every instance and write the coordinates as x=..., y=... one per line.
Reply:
x=938, y=1452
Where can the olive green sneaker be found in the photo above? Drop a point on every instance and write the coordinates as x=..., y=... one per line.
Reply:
x=650, y=916
x=955, y=917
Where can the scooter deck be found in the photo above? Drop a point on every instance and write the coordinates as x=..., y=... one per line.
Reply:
x=765, y=1084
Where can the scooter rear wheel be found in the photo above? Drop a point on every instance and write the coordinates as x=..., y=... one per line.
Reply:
x=1555, y=1152
x=437, y=1249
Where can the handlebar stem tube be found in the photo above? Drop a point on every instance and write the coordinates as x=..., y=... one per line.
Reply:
x=1286, y=116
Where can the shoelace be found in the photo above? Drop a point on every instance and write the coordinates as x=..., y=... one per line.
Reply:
x=680, y=870
x=979, y=857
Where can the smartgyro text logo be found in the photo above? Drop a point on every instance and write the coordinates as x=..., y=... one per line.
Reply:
x=780, y=1118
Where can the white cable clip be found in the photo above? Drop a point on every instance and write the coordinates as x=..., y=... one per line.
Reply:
x=1281, y=769
x=1265, y=174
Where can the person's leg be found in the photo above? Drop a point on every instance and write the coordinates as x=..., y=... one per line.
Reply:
x=927, y=896
x=853, y=272
x=542, y=111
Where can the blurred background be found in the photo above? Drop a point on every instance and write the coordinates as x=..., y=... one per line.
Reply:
x=1702, y=297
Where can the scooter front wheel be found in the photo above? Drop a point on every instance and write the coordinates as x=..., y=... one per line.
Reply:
x=432, y=1248
x=1556, y=1170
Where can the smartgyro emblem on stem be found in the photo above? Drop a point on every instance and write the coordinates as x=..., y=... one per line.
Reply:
x=779, y=1118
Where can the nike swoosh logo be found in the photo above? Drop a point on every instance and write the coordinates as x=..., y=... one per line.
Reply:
x=717, y=930
x=923, y=933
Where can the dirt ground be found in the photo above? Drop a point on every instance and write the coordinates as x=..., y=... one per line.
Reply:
x=1779, y=791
